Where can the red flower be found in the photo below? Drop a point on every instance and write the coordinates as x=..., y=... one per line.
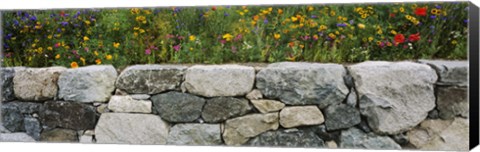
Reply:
x=399, y=38
x=214, y=8
x=392, y=15
x=414, y=37
x=422, y=11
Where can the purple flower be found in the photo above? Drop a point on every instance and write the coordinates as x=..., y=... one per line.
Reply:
x=148, y=51
x=465, y=21
x=5, y=45
x=265, y=21
x=176, y=47
x=9, y=36
x=313, y=16
x=438, y=6
x=433, y=17
x=33, y=18
x=15, y=22
x=226, y=14
x=64, y=23
x=341, y=24
x=8, y=55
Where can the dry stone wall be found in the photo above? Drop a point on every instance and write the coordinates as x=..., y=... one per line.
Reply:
x=372, y=105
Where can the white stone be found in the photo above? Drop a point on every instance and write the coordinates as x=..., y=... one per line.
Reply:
x=295, y=116
x=126, y=104
x=267, y=106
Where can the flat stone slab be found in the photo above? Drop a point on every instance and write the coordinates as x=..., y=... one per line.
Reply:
x=394, y=96
x=296, y=116
x=341, y=116
x=150, y=79
x=87, y=84
x=36, y=84
x=195, y=134
x=219, y=80
x=297, y=83
x=219, y=109
x=354, y=138
x=68, y=115
x=441, y=135
x=287, y=138
x=177, y=106
x=450, y=72
x=126, y=104
x=239, y=130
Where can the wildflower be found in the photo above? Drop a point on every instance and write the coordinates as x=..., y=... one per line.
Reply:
x=83, y=60
x=291, y=44
x=95, y=53
x=238, y=37
x=87, y=22
x=370, y=39
x=214, y=8
x=393, y=32
x=141, y=19
x=98, y=61
x=241, y=13
x=176, y=47
x=454, y=42
x=364, y=16
x=108, y=57
x=435, y=11
x=315, y=37
x=332, y=36
x=57, y=56
x=399, y=38
x=276, y=36
x=401, y=9
x=192, y=37
x=57, y=45
x=341, y=24
x=389, y=43
x=294, y=19
x=116, y=45
x=85, y=38
x=310, y=8
x=422, y=11
x=280, y=11
x=228, y=37
x=361, y=26
x=265, y=21
x=332, y=13
x=74, y=65
x=414, y=37
x=322, y=27
x=49, y=48
x=379, y=31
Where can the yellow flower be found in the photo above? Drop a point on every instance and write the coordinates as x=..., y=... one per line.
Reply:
x=95, y=52
x=322, y=28
x=389, y=43
x=136, y=28
x=332, y=36
x=253, y=22
x=74, y=65
x=49, y=48
x=293, y=18
x=315, y=36
x=98, y=61
x=276, y=36
x=364, y=16
x=401, y=9
x=393, y=32
x=301, y=46
x=280, y=11
x=337, y=33
x=191, y=49
x=454, y=42
x=310, y=8
x=57, y=56
x=344, y=19
x=332, y=13
x=192, y=37
x=87, y=22
x=50, y=36
x=414, y=6
x=33, y=45
x=108, y=57
x=85, y=38
x=435, y=11
x=40, y=50
x=370, y=39
x=228, y=37
x=361, y=26
x=241, y=13
x=83, y=60
x=148, y=12
x=141, y=19
x=116, y=45
x=142, y=31
x=379, y=31
x=270, y=9
x=408, y=17
x=135, y=11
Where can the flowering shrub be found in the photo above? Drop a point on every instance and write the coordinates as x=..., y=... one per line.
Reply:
x=221, y=34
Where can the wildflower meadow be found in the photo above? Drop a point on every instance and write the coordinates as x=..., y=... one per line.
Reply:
x=340, y=33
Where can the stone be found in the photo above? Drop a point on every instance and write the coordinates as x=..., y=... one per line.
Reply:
x=219, y=80
x=25, y=107
x=12, y=118
x=352, y=98
x=140, y=96
x=255, y=94
x=393, y=92
x=86, y=139
x=89, y=132
x=287, y=138
x=354, y=138
x=433, y=114
x=68, y=115
x=267, y=106
x=349, y=81
x=450, y=72
x=36, y=84
x=7, y=74
x=3, y=129
x=103, y=108
x=219, y=109
x=331, y=144
x=438, y=134
x=126, y=104
x=452, y=101
x=177, y=106
x=87, y=84
x=195, y=134
x=364, y=126
x=123, y=128
x=119, y=92
x=16, y=137
x=239, y=130
x=59, y=135
x=297, y=83
x=341, y=116
x=32, y=127
x=401, y=139
x=321, y=131
x=295, y=116
x=150, y=79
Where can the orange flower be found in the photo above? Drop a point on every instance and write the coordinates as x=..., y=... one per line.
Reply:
x=291, y=44
x=255, y=18
x=98, y=61
x=280, y=11
x=74, y=65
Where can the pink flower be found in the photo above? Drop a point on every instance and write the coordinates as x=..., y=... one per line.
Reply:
x=223, y=41
x=148, y=51
x=57, y=45
x=86, y=49
x=74, y=52
x=176, y=47
x=238, y=37
x=169, y=36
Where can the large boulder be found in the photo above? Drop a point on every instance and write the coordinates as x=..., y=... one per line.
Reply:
x=450, y=72
x=239, y=130
x=354, y=138
x=127, y=104
x=296, y=116
x=15, y=137
x=195, y=134
x=452, y=101
x=394, y=96
x=219, y=80
x=87, y=84
x=7, y=74
x=341, y=116
x=219, y=109
x=441, y=135
x=303, y=83
x=177, y=106
x=36, y=84
x=68, y=115
x=123, y=128
x=150, y=79
x=287, y=138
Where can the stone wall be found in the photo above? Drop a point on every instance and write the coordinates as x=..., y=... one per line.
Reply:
x=373, y=105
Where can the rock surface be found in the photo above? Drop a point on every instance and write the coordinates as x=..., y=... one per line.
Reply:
x=122, y=128
x=87, y=84
x=7, y=74
x=36, y=84
x=255, y=94
x=150, y=79
x=354, y=138
x=321, y=131
x=393, y=92
x=352, y=98
x=195, y=134
x=341, y=116
x=126, y=104
x=267, y=106
x=68, y=115
x=450, y=72
x=140, y=96
x=303, y=83
x=287, y=138
x=219, y=109
x=59, y=135
x=86, y=139
x=219, y=80
x=177, y=106
x=15, y=137
x=452, y=101
x=300, y=116
x=441, y=135
x=32, y=127
x=239, y=130
x=13, y=114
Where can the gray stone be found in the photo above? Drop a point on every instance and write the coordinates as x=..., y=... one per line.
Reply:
x=321, y=131
x=86, y=139
x=255, y=94
x=68, y=115
x=239, y=130
x=441, y=135
x=59, y=135
x=450, y=72
x=7, y=74
x=12, y=118
x=87, y=84
x=352, y=98
x=287, y=138
x=32, y=127
x=295, y=116
x=401, y=139
x=341, y=116
x=267, y=106
x=15, y=137
x=123, y=128
x=25, y=107
x=119, y=92
x=178, y=107
x=433, y=114
x=303, y=83
x=3, y=129
x=127, y=104
x=150, y=79
x=219, y=80
x=393, y=92
x=195, y=134
x=219, y=109
x=140, y=96
x=37, y=84
x=354, y=138
x=452, y=101
x=103, y=108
